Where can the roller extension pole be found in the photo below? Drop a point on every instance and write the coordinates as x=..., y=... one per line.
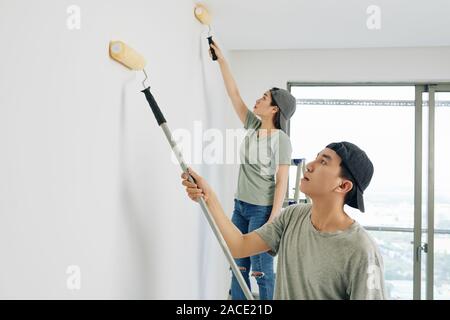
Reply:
x=163, y=124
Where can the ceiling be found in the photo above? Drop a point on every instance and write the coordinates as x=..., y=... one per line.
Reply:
x=301, y=24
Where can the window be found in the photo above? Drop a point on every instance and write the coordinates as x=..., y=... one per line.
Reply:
x=381, y=120
x=442, y=198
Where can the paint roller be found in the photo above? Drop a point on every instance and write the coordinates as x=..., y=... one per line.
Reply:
x=128, y=57
x=202, y=15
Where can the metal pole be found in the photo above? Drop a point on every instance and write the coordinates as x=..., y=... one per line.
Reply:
x=430, y=204
x=417, y=248
x=297, y=179
x=163, y=124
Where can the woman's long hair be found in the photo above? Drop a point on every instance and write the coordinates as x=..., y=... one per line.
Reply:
x=276, y=118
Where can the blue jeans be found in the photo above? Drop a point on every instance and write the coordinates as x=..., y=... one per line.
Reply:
x=248, y=217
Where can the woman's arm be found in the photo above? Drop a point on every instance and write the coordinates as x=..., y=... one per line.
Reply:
x=231, y=86
x=280, y=190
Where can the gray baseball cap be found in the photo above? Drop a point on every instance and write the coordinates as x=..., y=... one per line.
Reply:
x=287, y=104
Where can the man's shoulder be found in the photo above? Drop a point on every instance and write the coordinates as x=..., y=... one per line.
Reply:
x=297, y=210
x=362, y=242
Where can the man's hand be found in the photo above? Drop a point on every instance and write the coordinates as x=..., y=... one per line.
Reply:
x=198, y=189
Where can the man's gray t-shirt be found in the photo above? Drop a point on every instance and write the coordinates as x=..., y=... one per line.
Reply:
x=318, y=265
x=260, y=157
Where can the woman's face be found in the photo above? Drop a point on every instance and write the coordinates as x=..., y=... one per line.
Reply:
x=262, y=106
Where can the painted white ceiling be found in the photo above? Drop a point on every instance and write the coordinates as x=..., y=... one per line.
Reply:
x=301, y=24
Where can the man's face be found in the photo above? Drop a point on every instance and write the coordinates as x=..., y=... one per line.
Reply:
x=322, y=176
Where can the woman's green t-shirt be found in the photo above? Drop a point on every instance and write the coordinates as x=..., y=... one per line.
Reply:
x=259, y=160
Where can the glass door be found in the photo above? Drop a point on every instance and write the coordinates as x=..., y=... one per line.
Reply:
x=438, y=194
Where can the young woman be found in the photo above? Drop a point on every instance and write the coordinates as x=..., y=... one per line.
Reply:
x=263, y=174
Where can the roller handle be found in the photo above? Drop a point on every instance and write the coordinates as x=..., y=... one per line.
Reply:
x=163, y=125
x=213, y=53
x=160, y=119
x=154, y=106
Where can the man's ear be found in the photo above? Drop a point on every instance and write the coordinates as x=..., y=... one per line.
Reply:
x=346, y=186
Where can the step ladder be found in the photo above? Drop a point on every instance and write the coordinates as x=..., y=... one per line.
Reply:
x=300, y=164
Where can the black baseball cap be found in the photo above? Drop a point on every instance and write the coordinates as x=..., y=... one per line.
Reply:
x=360, y=168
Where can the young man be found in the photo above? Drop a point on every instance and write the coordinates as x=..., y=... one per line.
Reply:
x=323, y=253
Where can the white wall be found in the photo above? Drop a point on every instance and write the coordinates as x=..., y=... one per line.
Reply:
x=256, y=71
x=86, y=176
x=306, y=24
